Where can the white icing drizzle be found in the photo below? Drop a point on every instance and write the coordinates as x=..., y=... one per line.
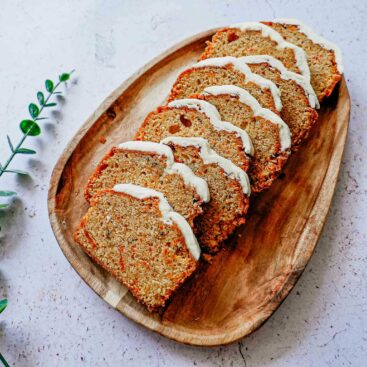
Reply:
x=210, y=156
x=263, y=83
x=141, y=192
x=189, y=177
x=315, y=38
x=299, y=53
x=246, y=98
x=212, y=113
x=168, y=215
x=286, y=75
x=149, y=147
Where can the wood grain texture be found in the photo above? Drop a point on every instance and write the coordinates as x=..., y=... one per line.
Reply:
x=248, y=280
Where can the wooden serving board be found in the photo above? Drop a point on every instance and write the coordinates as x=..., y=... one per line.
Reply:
x=249, y=279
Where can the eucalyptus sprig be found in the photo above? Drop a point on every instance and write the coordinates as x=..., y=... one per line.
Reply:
x=30, y=127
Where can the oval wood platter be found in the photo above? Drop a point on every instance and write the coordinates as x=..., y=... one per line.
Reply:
x=248, y=280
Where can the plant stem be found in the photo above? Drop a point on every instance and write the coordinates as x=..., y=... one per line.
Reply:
x=3, y=169
x=3, y=361
x=14, y=152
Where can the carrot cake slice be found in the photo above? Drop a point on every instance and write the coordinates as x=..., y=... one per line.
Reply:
x=298, y=97
x=134, y=234
x=251, y=38
x=197, y=118
x=151, y=165
x=226, y=71
x=324, y=57
x=229, y=190
x=269, y=134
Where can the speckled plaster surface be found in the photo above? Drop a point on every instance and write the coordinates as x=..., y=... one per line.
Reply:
x=53, y=318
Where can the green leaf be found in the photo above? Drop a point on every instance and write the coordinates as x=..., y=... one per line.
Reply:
x=49, y=85
x=10, y=144
x=25, y=151
x=18, y=172
x=64, y=77
x=7, y=193
x=53, y=104
x=3, y=206
x=41, y=98
x=33, y=110
x=30, y=127
x=3, y=304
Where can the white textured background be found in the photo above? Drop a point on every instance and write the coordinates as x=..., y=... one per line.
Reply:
x=53, y=318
